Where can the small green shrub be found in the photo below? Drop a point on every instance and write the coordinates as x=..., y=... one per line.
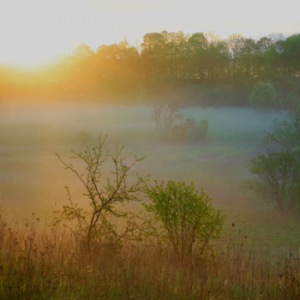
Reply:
x=277, y=181
x=263, y=95
x=187, y=219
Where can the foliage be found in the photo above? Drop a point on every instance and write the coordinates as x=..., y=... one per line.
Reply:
x=187, y=219
x=94, y=225
x=283, y=135
x=278, y=181
x=263, y=95
x=165, y=117
x=278, y=169
x=163, y=60
x=188, y=131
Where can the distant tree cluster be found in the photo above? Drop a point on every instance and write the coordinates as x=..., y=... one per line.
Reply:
x=200, y=66
x=263, y=95
x=173, y=127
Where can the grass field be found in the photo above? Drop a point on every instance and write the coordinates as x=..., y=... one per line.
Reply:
x=256, y=258
x=32, y=178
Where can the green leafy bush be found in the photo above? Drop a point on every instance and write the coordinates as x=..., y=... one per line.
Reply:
x=277, y=181
x=187, y=219
x=263, y=95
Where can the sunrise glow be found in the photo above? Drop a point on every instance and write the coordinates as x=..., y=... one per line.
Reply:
x=32, y=32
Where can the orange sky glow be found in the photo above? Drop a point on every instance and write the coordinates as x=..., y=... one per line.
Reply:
x=34, y=31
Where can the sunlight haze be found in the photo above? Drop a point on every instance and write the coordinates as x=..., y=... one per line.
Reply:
x=149, y=149
x=33, y=31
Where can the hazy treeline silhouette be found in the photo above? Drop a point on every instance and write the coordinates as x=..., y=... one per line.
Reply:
x=200, y=67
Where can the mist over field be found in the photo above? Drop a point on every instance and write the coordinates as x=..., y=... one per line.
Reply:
x=32, y=176
x=214, y=122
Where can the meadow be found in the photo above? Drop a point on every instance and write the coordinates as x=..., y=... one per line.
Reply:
x=259, y=257
x=33, y=179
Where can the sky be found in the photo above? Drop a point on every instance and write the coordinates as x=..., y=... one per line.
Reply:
x=34, y=31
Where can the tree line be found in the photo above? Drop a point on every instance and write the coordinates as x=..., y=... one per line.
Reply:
x=201, y=67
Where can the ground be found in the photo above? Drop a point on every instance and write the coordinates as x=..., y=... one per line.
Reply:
x=33, y=180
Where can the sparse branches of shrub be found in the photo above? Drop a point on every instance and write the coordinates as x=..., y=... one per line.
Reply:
x=95, y=224
x=278, y=181
x=283, y=135
x=189, y=131
x=187, y=219
x=170, y=125
x=278, y=168
x=165, y=117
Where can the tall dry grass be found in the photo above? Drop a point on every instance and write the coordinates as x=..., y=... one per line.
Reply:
x=53, y=263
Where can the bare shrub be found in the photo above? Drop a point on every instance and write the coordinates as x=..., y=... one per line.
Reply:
x=94, y=225
x=165, y=117
x=189, y=132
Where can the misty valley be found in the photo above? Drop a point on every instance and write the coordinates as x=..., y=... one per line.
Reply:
x=33, y=179
x=167, y=169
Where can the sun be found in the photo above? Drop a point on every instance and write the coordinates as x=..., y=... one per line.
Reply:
x=28, y=56
x=34, y=32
